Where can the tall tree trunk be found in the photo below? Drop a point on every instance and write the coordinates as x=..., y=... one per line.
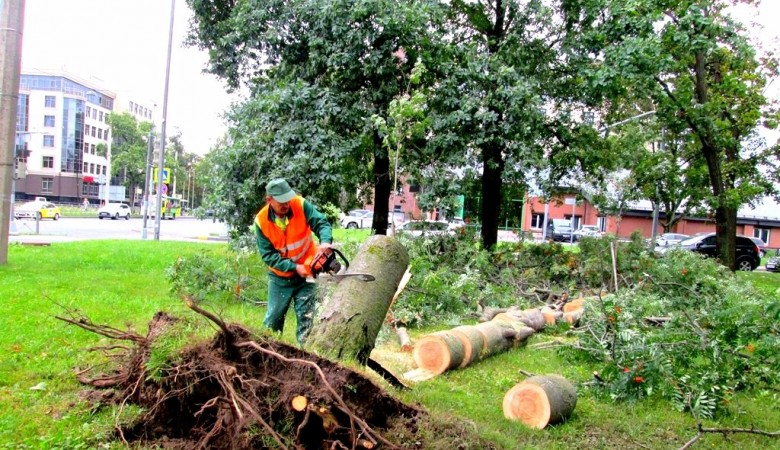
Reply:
x=382, y=184
x=726, y=236
x=353, y=315
x=492, y=171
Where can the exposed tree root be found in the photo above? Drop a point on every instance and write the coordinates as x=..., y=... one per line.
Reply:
x=236, y=392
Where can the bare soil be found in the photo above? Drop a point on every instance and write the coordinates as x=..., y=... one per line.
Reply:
x=235, y=392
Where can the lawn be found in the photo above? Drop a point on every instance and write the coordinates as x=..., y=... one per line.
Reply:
x=123, y=283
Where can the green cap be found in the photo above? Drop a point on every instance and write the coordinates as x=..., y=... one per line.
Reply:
x=279, y=190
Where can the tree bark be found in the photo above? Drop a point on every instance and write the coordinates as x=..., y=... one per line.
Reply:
x=382, y=186
x=540, y=401
x=351, y=318
x=492, y=171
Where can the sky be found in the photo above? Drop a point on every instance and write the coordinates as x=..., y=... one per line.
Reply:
x=123, y=44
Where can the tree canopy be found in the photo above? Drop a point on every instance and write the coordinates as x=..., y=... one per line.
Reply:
x=513, y=93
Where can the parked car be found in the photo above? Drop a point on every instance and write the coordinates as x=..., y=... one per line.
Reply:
x=114, y=211
x=670, y=239
x=357, y=218
x=559, y=230
x=773, y=264
x=761, y=245
x=747, y=250
x=587, y=230
x=418, y=228
x=37, y=210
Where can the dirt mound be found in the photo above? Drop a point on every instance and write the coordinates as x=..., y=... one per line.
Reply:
x=239, y=391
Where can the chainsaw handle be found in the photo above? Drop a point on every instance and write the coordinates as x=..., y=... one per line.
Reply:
x=311, y=264
x=343, y=258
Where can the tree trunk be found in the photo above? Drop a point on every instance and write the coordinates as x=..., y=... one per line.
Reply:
x=540, y=401
x=492, y=171
x=351, y=318
x=726, y=235
x=382, y=186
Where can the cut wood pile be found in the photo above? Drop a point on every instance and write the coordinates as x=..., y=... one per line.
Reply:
x=501, y=329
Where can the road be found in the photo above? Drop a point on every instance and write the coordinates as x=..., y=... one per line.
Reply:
x=74, y=229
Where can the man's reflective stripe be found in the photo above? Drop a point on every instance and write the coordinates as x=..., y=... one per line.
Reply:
x=297, y=244
x=303, y=252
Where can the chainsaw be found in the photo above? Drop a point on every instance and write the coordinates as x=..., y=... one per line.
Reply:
x=333, y=270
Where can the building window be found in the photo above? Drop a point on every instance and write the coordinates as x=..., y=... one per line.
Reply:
x=104, y=170
x=761, y=233
x=575, y=222
x=92, y=148
x=91, y=167
x=89, y=111
x=51, y=101
x=100, y=133
x=48, y=121
x=537, y=220
x=93, y=131
x=94, y=113
x=48, y=162
x=47, y=185
x=100, y=116
x=602, y=223
x=48, y=140
x=84, y=169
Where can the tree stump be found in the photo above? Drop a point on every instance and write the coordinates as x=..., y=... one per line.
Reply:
x=351, y=319
x=540, y=401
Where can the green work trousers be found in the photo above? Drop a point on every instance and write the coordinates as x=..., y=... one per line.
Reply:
x=280, y=292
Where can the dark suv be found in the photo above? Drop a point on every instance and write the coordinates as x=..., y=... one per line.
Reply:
x=747, y=251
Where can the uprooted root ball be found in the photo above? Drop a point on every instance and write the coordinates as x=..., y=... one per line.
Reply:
x=238, y=393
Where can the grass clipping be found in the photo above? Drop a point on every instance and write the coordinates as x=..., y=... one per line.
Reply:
x=238, y=391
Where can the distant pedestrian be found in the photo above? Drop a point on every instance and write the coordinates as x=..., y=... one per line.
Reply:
x=85, y=204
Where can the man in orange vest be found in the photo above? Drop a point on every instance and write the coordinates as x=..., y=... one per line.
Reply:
x=283, y=231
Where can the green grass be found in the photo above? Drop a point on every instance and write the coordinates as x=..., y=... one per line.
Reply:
x=122, y=283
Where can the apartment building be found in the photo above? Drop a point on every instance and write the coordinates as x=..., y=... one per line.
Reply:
x=62, y=137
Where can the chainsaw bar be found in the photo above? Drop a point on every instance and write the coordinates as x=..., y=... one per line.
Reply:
x=336, y=277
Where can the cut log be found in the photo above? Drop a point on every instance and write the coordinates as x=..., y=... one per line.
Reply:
x=498, y=336
x=551, y=316
x=573, y=317
x=532, y=318
x=403, y=339
x=540, y=401
x=473, y=343
x=299, y=403
x=438, y=352
x=351, y=318
x=577, y=303
x=488, y=313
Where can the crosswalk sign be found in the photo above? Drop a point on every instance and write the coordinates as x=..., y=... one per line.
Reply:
x=166, y=173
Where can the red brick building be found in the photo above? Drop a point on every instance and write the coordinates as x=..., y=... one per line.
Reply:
x=639, y=217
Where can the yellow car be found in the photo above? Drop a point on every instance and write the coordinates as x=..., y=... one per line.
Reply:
x=37, y=210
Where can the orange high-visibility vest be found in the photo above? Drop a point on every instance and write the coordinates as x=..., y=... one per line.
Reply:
x=295, y=242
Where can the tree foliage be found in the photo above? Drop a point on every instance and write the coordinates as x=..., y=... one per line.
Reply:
x=128, y=149
x=704, y=80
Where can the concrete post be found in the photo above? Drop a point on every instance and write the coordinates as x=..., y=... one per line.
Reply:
x=11, y=27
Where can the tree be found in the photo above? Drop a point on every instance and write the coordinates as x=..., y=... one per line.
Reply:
x=317, y=71
x=705, y=80
x=128, y=150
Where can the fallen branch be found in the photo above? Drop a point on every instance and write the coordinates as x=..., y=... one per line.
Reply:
x=725, y=432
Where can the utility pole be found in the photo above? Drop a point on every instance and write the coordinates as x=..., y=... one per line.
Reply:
x=161, y=160
x=11, y=31
x=147, y=182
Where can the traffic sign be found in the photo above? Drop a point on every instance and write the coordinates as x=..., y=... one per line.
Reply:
x=166, y=173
